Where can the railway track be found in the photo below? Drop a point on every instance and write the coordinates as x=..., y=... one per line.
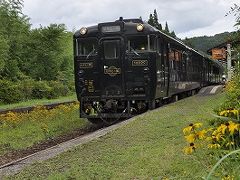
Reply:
x=31, y=108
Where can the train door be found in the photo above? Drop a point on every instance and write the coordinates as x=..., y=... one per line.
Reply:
x=164, y=67
x=204, y=73
x=112, y=67
x=184, y=65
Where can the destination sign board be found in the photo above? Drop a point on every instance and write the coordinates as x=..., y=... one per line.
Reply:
x=110, y=29
x=219, y=54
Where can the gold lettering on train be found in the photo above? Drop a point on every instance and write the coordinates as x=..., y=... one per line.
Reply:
x=86, y=65
x=112, y=71
x=139, y=63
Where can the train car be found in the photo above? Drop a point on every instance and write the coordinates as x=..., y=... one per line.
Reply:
x=126, y=67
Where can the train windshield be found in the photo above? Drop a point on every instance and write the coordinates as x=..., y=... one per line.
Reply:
x=86, y=47
x=141, y=43
x=111, y=49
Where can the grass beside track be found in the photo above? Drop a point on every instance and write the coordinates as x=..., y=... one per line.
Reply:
x=148, y=148
x=37, y=102
x=20, y=131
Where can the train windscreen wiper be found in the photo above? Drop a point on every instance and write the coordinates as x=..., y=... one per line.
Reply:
x=135, y=52
x=91, y=53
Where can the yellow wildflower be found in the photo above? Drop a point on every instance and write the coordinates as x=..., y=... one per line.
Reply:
x=222, y=128
x=201, y=134
x=225, y=113
x=11, y=117
x=230, y=144
x=214, y=146
x=232, y=127
x=217, y=137
x=222, y=113
x=197, y=125
x=190, y=138
x=189, y=149
x=228, y=177
x=188, y=129
x=235, y=112
x=191, y=127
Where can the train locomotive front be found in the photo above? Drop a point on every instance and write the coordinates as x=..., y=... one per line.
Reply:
x=114, y=71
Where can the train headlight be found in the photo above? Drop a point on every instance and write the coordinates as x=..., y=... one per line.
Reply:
x=83, y=31
x=140, y=27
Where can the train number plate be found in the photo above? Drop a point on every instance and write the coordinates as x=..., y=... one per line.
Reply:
x=139, y=63
x=86, y=65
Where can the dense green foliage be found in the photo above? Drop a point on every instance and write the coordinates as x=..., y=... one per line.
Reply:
x=204, y=43
x=40, y=59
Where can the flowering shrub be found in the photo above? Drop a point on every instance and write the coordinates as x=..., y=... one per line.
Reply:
x=39, y=113
x=22, y=130
x=234, y=113
x=224, y=136
x=233, y=94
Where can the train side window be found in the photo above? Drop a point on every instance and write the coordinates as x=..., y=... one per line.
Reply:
x=86, y=47
x=138, y=43
x=172, y=55
x=176, y=57
x=142, y=43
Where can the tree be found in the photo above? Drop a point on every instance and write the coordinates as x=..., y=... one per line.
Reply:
x=172, y=34
x=14, y=30
x=48, y=52
x=166, y=29
x=151, y=20
x=155, y=20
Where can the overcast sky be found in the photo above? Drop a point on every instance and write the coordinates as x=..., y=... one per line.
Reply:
x=187, y=17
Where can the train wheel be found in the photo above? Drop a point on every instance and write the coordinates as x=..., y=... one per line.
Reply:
x=109, y=121
x=175, y=98
x=152, y=105
x=194, y=92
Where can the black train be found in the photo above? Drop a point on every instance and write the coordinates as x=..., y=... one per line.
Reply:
x=126, y=67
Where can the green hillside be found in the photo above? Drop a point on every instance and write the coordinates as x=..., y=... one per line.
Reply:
x=203, y=43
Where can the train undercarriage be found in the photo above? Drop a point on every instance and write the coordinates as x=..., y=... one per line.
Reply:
x=109, y=111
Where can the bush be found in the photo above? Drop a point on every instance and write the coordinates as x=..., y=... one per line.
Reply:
x=233, y=95
x=10, y=92
x=58, y=89
x=27, y=87
x=13, y=92
x=41, y=90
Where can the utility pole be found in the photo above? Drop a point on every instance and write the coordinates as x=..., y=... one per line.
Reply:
x=229, y=62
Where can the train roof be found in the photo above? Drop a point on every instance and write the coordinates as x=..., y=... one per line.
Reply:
x=130, y=26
